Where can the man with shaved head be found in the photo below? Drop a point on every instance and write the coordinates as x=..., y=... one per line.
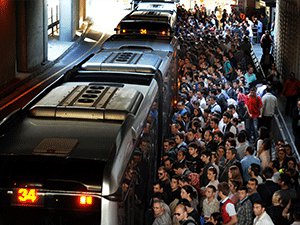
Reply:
x=182, y=217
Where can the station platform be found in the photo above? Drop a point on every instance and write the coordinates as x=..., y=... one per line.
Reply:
x=56, y=50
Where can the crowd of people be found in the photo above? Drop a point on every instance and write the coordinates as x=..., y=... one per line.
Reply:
x=220, y=165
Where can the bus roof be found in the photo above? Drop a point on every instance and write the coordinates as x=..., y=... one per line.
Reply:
x=126, y=60
x=157, y=6
x=72, y=122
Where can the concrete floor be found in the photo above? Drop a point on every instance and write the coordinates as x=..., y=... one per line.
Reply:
x=56, y=48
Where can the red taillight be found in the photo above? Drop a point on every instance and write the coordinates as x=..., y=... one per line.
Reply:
x=26, y=195
x=85, y=200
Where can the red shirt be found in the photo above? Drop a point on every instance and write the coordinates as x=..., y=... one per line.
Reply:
x=254, y=105
x=291, y=87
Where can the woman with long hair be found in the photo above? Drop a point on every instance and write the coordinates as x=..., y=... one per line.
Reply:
x=187, y=192
x=264, y=154
x=215, y=162
x=234, y=173
x=263, y=133
x=212, y=176
x=197, y=113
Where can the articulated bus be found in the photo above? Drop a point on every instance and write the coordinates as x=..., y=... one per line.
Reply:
x=85, y=150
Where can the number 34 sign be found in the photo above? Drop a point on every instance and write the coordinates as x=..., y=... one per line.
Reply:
x=25, y=195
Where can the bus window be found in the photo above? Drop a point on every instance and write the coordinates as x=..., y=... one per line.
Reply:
x=137, y=181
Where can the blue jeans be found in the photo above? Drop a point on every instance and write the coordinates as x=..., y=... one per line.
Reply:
x=252, y=127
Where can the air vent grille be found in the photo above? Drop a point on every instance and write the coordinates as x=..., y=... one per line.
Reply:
x=124, y=57
x=55, y=146
x=88, y=102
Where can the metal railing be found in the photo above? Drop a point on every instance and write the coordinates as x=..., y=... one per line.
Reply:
x=280, y=131
x=53, y=21
x=256, y=63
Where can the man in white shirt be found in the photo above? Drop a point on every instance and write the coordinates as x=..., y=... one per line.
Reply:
x=201, y=100
x=213, y=105
x=228, y=126
x=262, y=218
x=249, y=22
x=268, y=108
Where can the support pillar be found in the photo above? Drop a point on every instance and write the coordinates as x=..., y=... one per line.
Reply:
x=82, y=11
x=68, y=21
x=7, y=41
x=31, y=30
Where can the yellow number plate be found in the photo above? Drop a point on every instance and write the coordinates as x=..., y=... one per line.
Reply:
x=27, y=197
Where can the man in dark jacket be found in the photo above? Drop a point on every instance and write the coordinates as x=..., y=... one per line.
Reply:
x=230, y=161
x=267, y=188
x=266, y=42
x=252, y=190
